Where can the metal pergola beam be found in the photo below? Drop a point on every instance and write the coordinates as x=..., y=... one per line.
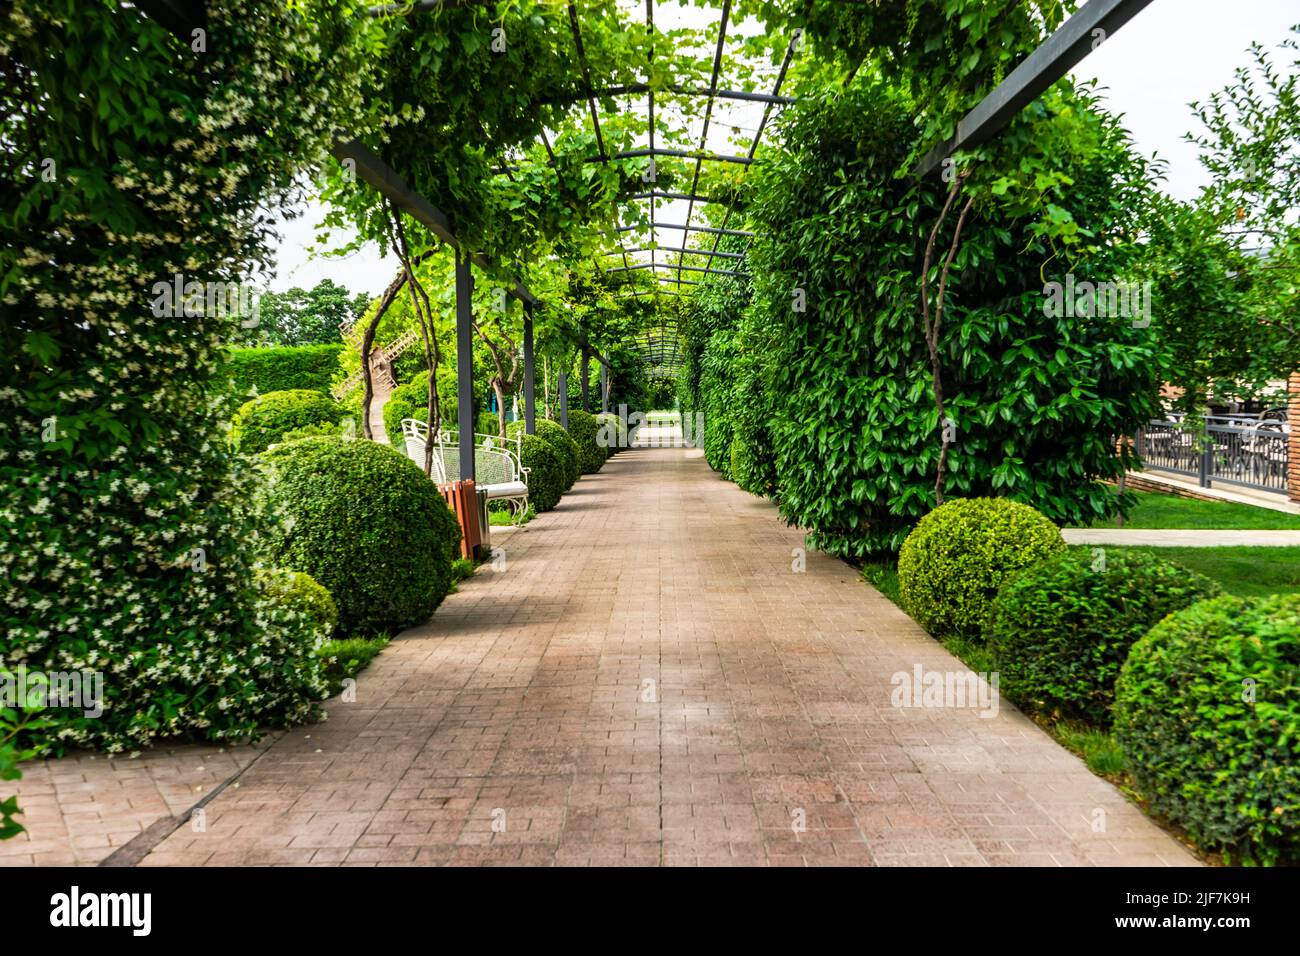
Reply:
x=662, y=195
x=464, y=365
x=762, y=125
x=586, y=374
x=674, y=267
x=683, y=251
x=1054, y=58
x=530, y=408
x=632, y=89
x=680, y=154
x=708, y=116
x=678, y=225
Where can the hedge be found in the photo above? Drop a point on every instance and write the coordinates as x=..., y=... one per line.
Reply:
x=1207, y=711
x=952, y=564
x=365, y=522
x=313, y=367
x=1061, y=631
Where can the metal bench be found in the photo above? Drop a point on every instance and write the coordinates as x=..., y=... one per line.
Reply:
x=498, y=471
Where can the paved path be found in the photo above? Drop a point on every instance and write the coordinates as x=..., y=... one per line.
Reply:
x=647, y=681
x=1181, y=537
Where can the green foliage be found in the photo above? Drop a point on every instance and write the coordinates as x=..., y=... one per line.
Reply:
x=312, y=367
x=713, y=352
x=299, y=591
x=547, y=472
x=364, y=521
x=13, y=725
x=1061, y=630
x=139, y=540
x=845, y=389
x=565, y=447
x=584, y=429
x=468, y=99
x=266, y=419
x=411, y=400
x=348, y=657
x=947, y=54
x=1207, y=710
x=953, y=563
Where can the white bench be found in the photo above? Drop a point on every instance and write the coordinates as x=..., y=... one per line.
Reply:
x=498, y=471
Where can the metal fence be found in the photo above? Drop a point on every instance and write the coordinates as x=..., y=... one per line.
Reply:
x=1233, y=450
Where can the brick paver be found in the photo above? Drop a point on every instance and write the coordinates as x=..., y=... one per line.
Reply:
x=80, y=809
x=648, y=681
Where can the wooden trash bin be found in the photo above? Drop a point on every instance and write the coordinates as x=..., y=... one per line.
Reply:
x=462, y=498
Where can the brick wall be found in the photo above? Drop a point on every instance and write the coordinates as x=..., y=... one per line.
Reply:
x=1136, y=482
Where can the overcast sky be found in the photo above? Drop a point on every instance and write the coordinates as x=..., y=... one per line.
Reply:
x=1172, y=53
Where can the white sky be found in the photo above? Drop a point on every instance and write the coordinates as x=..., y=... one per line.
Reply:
x=1172, y=53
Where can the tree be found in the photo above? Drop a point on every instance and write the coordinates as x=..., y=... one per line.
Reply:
x=1226, y=267
x=304, y=317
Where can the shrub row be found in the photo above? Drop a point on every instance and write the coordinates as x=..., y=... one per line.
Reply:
x=1203, y=689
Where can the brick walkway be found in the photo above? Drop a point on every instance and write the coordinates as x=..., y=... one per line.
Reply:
x=647, y=681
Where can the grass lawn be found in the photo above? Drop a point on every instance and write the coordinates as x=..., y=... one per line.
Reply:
x=1156, y=510
x=1245, y=572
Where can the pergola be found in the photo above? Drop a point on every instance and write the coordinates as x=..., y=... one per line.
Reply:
x=676, y=265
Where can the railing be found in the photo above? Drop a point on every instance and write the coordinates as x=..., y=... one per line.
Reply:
x=1222, y=449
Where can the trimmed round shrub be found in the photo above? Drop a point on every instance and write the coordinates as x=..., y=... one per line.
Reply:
x=583, y=429
x=1207, y=710
x=365, y=522
x=301, y=592
x=268, y=418
x=951, y=566
x=1061, y=630
x=555, y=436
x=547, y=476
